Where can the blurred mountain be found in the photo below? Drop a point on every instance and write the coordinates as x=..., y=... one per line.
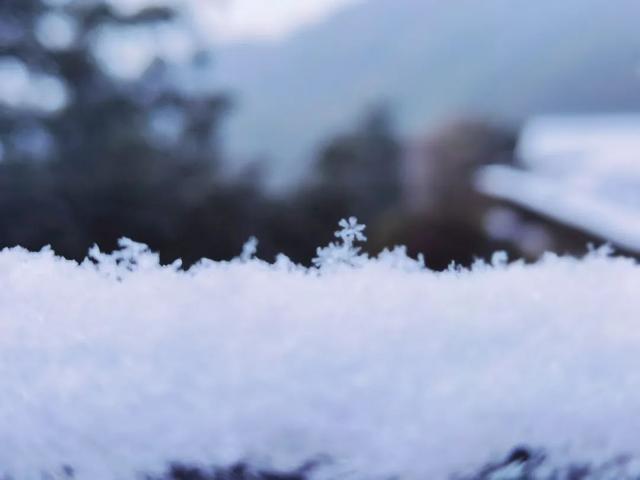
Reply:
x=430, y=59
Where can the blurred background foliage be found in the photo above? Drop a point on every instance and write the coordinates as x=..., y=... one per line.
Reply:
x=90, y=154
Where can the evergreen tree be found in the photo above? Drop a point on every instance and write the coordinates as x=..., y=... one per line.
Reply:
x=89, y=156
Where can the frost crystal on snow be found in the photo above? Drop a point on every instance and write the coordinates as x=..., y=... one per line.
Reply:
x=132, y=256
x=345, y=252
x=249, y=249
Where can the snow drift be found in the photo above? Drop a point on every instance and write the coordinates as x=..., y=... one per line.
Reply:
x=119, y=365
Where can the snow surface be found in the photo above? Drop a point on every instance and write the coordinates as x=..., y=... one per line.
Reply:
x=120, y=365
x=583, y=171
x=597, y=208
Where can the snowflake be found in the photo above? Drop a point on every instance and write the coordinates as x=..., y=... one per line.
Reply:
x=343, y=252
x=351, y=231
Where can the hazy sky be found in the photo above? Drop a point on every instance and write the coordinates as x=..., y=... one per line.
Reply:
x=231, y=20
x=236, y=20
x=128, y=52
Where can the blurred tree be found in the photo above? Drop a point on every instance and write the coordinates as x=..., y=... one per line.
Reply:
x=89, y=113
x=102, y=135
x=363, y=167
x=446, y=221
x=97, y=154
x=356, y=173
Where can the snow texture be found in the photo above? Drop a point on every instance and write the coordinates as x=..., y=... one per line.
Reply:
x=581, y=171
x=119, y=365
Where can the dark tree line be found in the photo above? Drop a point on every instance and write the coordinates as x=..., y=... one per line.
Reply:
x=142, y=158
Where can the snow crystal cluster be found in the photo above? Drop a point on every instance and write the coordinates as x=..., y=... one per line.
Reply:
x=378, y=366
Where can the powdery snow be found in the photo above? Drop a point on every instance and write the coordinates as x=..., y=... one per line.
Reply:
x=607, y=213
x=582, y=171
x=118, y=367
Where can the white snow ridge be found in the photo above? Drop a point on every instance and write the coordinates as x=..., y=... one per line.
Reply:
x=119, y=365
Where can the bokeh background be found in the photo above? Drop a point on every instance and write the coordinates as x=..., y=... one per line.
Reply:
x=454, y=127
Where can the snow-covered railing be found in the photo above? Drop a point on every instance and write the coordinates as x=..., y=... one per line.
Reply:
x=119, y=365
